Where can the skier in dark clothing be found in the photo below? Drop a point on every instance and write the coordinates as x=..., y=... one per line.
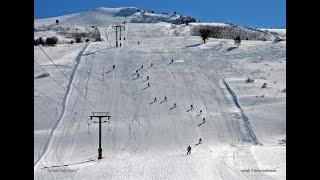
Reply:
x=174, y=105
x=151, y=65
x=200, y=111
x=171, y=61
x=203, y=120
x=114, y=66
x=141, y=66
x=188, y=150
x=155, y=99
x=138, y=42
x=165, y=98
x=137, y=75
x=136, y=71
x=148, y=78
x=191, y=107
x=148, y=85
x=200, y=141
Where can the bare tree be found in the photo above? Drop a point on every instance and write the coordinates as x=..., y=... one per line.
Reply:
x=204, y=33
x=237, y=40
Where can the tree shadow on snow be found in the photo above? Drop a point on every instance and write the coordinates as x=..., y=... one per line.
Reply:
x=193, y=45
x=231, y=48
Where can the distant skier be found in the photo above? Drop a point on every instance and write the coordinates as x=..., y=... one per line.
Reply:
x=137, y=71
x=191, y=107
x=148, y=78
x=138, y=42
x=114, y=66
x=151, y=65
x=148, y=85
x=200, y=111
x=120, y=44
x=171, y=61
x=141, y=66
x=203, y=120
x=137, y=75
x=174, y=105
x=155, y=99
x=165, y=98
x=200, y=141
x=188, y=150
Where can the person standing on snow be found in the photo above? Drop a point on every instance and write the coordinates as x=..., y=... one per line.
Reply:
x=188, y=150
x=200, y=141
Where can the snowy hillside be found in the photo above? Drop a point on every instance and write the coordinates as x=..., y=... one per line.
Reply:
x=244, y=131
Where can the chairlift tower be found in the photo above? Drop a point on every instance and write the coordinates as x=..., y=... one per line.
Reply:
x=100, y=115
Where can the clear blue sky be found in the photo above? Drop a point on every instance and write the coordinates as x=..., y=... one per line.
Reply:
x=253, y=13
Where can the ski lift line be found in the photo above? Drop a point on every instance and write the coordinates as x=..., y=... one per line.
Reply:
x=50, y=76
x=43, y=95
x=57, y=158
x=67, y=78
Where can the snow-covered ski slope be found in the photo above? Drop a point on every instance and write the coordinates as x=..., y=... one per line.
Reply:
x=243, y=136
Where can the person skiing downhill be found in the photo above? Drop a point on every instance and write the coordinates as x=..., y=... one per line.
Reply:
x=147, y=77
x=174, y=105
x=203, y=120
x=141, y=66
x=200, y=111
x=191, y=107
x=148, y=85
x=151, y=65
x=136, y=71
x=188, y=150
x=155, y=99
x=114, y=66
x=165, y=98
x=200, y=141
x=171, y=60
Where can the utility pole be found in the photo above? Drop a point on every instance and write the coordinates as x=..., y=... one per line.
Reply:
x=100, y=115
x=117, y=26
x=121, y=30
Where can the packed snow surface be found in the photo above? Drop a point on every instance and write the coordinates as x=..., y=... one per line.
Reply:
x=244, y=132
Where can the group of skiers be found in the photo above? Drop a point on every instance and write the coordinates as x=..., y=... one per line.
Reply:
x=174, y=104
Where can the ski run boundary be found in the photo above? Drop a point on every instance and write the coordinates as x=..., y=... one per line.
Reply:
x=64, y=102
x=244, y=116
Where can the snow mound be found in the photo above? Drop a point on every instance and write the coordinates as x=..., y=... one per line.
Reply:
x=127, y=11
